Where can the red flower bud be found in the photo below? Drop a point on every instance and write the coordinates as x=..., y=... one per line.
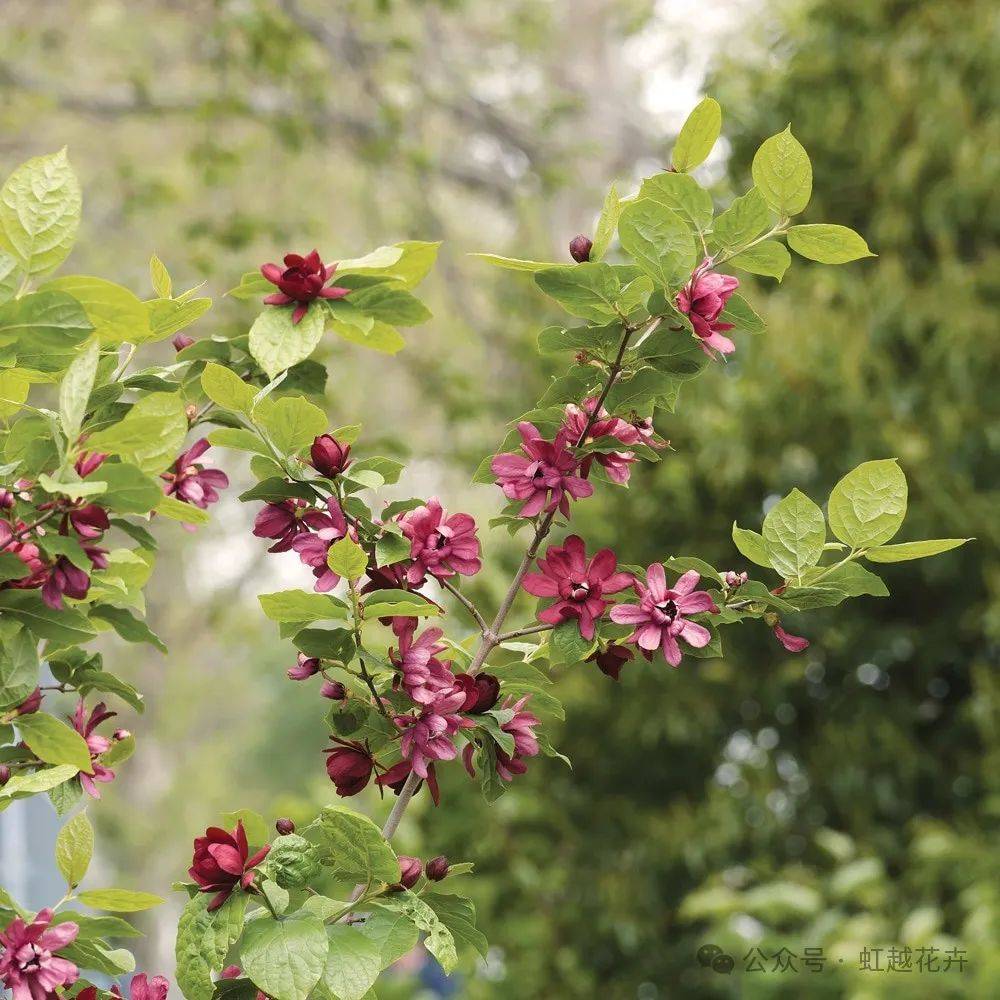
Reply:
x=31, y=704
x=4, y=775
x=329, y=456
x=579, y=248
x=284, y=826
x=7, y=499
x=301, y=280
x=121, y=734
x=333, y=690
x=611, y=660
x=181, y=341
x=306, y=667
x=410, y=870
x=349, y=765
x=481, y=692
x=437, y=868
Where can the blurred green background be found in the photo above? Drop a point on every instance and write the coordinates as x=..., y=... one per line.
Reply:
x=844, y=798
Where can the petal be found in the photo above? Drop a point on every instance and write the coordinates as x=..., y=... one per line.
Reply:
x=540, y=586
x=649, y=636
x=671, y=651
x=686, y=583
x=628, y=614
x=695, y=634
x=656, y=579
x=700, y=600
x=602, y=565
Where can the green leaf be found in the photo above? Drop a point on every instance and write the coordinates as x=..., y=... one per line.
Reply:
x=40, y=208
x=276, y=343
x=458, y=914
x=301, y=606
x=751, y=544
x=45, y=328
x=681, y=194
x=239, y=440
x=159, y=277
x=74, y=849
x=904, y=551
x=586, y=290
x=75, y=389
x=347, y=559
x=794, y=534
x=96, y=956
x=740, y=313
x=119, y=900
x=168, y=316
x=285, y=958
x=827, y=243
x=439, y=941
x=604, y=231
x=11, y=568
x=203, y=941
x=390, y=304
x=868, y=505
x=782, y=172
x=118, y=315
x=39, y=781
x=354, y=847
x=292, y=423
x=658, y=240
x=11, y=276
x=150, y=435
x=53, y=741
x=405, y=603
x=18, y=668
x=381, y=337
x=74, y=489
x=178, y=510
x=130, y=628
x=65, y=797
x=352, y=964
x=128, y=489
x=225, y=388
x=514, y=264
x=63, y=628
x=697, y=135
x=745, y=219
x=394, y=934
x=567, y=645
x=100, y=680
x=391, y=548
x=769, y=259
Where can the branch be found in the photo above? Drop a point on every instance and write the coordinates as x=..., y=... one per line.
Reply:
x=517, y=633
x=467, y=604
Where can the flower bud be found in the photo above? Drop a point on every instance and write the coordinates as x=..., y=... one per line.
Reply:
x=437, y=868
x=7, y=499
x=181, y=341
x=410, y=870
x=31, y=704
x=579, y=248
x=611, y=660
x=4, y=775
x=306, y=667
x=734, y=579
x=231, y=972
x=284, y=826
x=333, y=690
x=481, y=692
x=191, y=411
x=329, y=456
x=121, y=734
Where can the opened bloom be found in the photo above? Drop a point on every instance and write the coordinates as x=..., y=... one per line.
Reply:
x=702, y=300
x=579, y=586
x=222, y=862
x=440, y=544
x=616, y=463
x=29, y=965
x=301, y=280
x=544, y=477
x=429, y=737
x=396, y=776
x=312, y=547
x=191, y=482
x=285, y=521
x=96, y=744
x=522, y=727
x=660, y=618
x=425, y=678
x=141, y=988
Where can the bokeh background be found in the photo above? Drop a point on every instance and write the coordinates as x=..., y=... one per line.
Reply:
x=844, y=798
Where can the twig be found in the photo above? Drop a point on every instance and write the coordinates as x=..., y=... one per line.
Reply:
x=28, y=528
x=466, y=603
x=519, y=632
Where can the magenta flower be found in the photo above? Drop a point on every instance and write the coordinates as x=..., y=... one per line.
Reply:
x=313, y=547
x=615, y=462
x=544, y=477
x=482, y=692
x=793, y=643
x=440, y=544
x=522, y=727
x=31, y=704
x=180, y=341
x=429, y=737
x=27, y=551
x=580, y=247
x=578, y=586
x=660, y=616
x=329, y=457
x=29, y=967
x=96, y=744
x=191, y=482
x=222, y=862
x=425, y=678
x=88, y=462
x=349, y=765
x=141, y=988
x=396, y=776
x=64, y=578
x=285, y=521
x=702, y=301
x=301, y=281
x=305, y=667
x=90, y=521
x=410, y=870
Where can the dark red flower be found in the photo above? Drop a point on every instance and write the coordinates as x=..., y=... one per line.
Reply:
x=64, y=578
x=410, y=870
x=329, y=457
x=611, y=660
x=313, y=547
x=349, y=765
x=437, y=868
x=31, y=704
x=284, y=826
x=333, y=690
x=301, y=281
x=89, y=462
x=579, y=248
x=702, y=300
x=90, y=521
x=222, y=862
x=482, y=692
x=396, y=776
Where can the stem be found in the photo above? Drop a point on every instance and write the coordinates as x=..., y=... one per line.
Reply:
x=28, y=528
x=126, y=361
x=405, y=794
x=466, y=603
x=518, y=632
x=365, y=676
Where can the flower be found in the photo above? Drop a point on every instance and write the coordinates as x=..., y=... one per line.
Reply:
x=96, y=744
x=349, y=765
x=659, y=617
x=31, y=704
x=702, y=301
x=611, y=660
x=545, y=477
x=396, y=777
x=29, y=967
x=410, y=870
x=191, y=482
x=616, y=463
x=140, y=988
x=329, y=457
x=428, y=737
x=481, y=692
x=312, y=548
x=333, y=690
x=7, y=499
x=425, y=678
x=88, y=462
x=437, y=868
x=301, y=281
x=64, y=578
x=440, y=544
x=12, y=541
x=578, y=586
x=222, y=862
x=181, y=341
x=522, y=727
x=793, y=643
x=285, y=521
x=90, y=521
x=580, y=247
x=4, y=775
x=733, y=580
x=305, y=667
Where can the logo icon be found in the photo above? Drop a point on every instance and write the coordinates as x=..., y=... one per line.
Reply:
x=711, y=956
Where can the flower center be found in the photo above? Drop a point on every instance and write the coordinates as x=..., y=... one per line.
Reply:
x=668, y=608
x=580, y=591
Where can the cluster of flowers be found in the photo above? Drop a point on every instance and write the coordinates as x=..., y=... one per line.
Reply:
x=32, y=969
